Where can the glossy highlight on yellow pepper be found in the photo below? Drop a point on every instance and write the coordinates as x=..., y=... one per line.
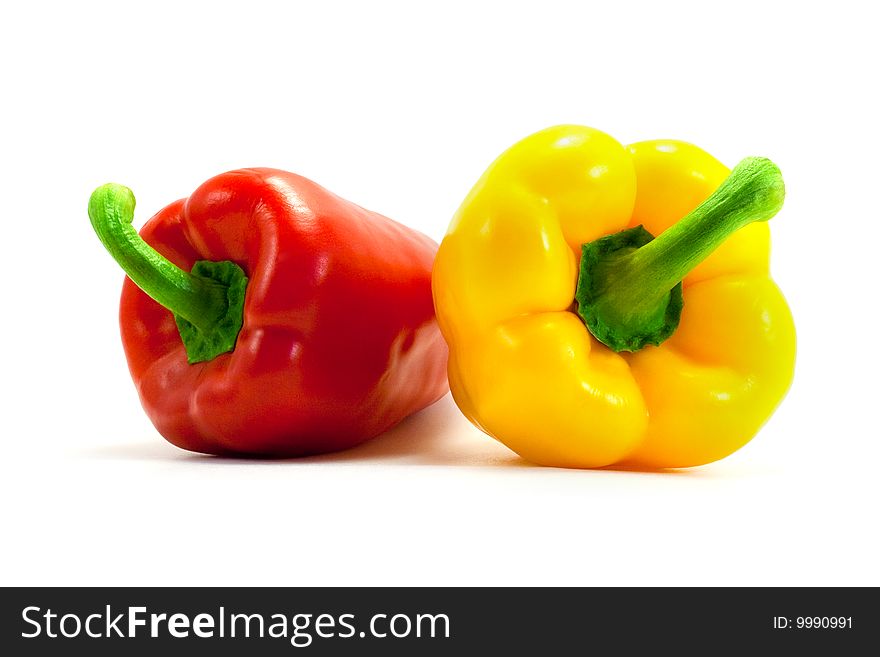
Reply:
x=523, y=365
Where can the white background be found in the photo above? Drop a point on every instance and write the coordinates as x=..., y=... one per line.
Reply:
x=399, y=107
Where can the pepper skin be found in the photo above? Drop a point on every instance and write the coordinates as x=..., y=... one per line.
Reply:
x=524, y=367
x=338, y=339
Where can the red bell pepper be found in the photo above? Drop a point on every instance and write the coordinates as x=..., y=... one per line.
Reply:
x=264, y=315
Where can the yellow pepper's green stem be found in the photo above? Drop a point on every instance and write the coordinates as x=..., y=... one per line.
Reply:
x=629, y=288
x=207, y=303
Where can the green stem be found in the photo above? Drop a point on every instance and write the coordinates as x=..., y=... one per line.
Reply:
x=207, y=303
x=629, y=290
x=200, y=301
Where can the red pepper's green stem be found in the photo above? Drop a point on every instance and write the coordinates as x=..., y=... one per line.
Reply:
x=629, y=290
x=207, y=303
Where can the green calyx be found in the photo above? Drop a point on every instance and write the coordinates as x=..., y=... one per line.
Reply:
x=629, y=286
x=623, y=325
x=207, y=303
x=206, y=343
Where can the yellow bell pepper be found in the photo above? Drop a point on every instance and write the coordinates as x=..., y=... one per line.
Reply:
x=690, y=345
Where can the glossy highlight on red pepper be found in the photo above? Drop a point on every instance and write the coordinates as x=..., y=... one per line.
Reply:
x=338, y=339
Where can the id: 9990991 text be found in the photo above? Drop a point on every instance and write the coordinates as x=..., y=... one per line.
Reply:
x=813, y=623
